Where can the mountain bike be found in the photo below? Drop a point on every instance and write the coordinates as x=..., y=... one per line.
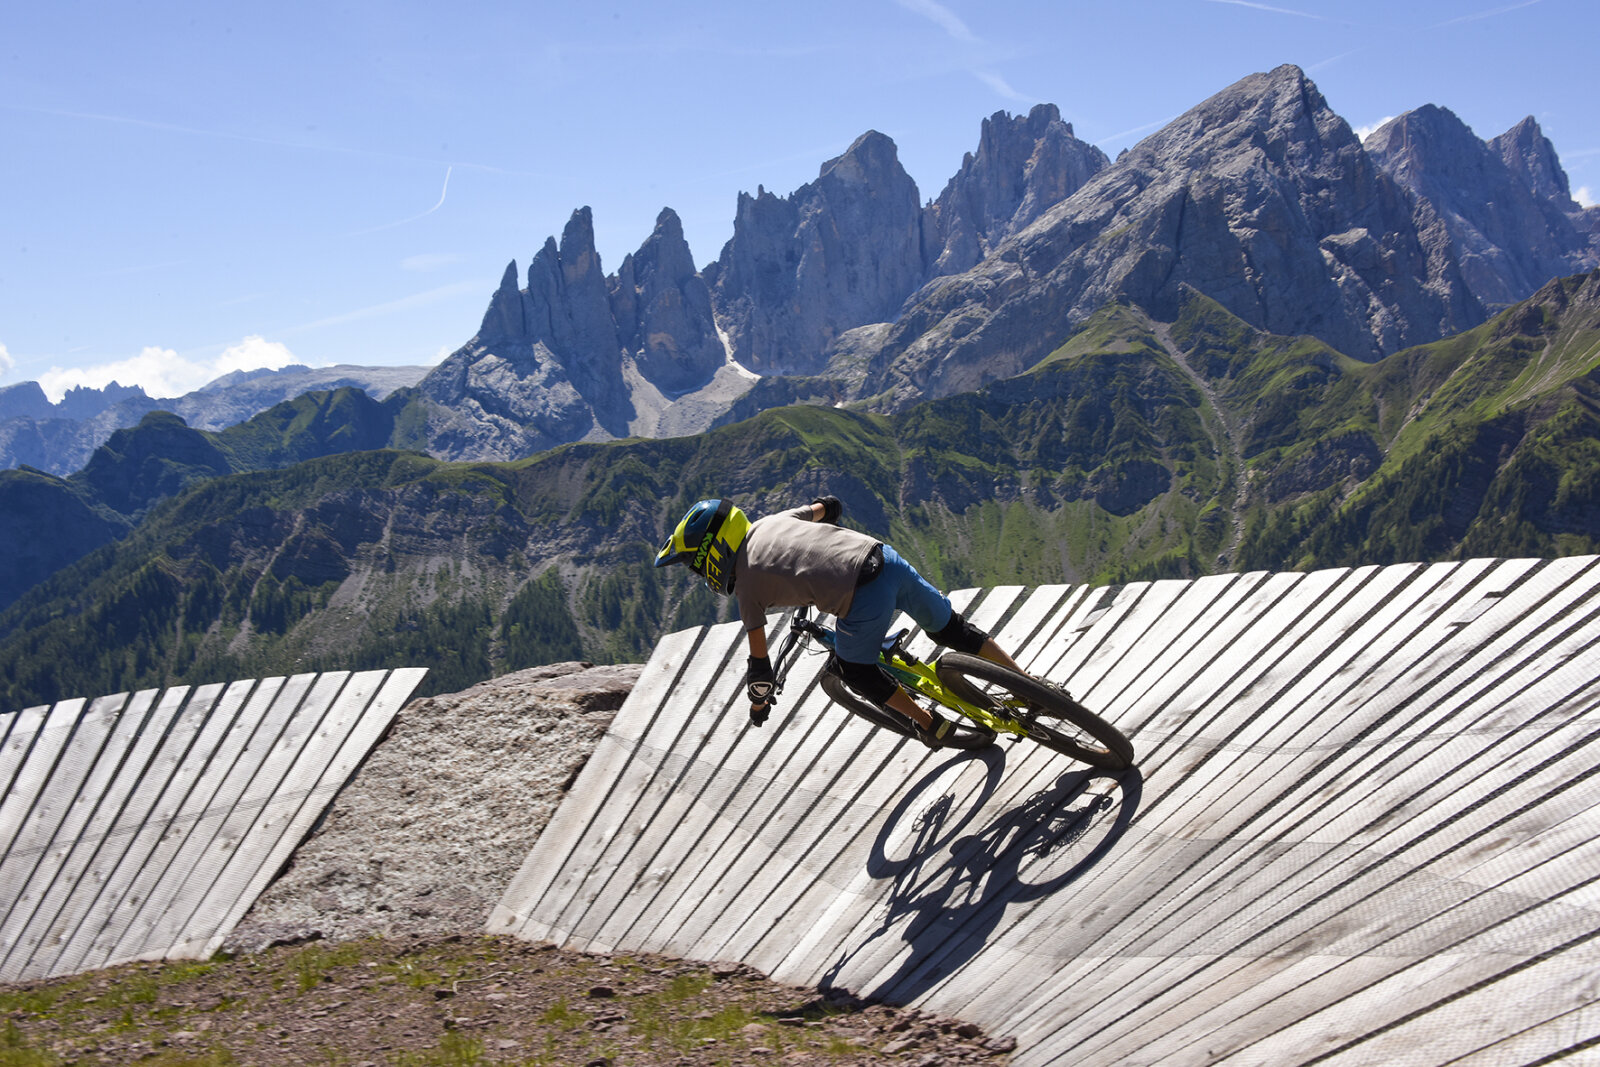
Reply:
x=991, y=699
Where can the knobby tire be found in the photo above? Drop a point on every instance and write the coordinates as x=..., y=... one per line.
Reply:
x=1049, y=715
x=963, y=734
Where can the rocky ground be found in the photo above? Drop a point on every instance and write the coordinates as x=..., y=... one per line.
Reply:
x=368, y=949
x=437, y=1001
x=428, y=835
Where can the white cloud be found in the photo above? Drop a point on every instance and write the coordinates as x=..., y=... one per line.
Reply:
x=253, y=353
x=1581, y=194
x=1363, y=132
x=162, y=373
x=6, y=362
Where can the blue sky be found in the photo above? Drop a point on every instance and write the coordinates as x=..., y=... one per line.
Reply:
x=193, y=188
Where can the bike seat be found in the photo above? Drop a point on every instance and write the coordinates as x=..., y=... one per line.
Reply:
x=890, y=641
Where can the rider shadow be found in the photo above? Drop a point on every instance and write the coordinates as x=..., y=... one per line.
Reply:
x=950, y=892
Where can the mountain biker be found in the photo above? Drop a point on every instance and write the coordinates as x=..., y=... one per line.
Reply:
x=804, y=558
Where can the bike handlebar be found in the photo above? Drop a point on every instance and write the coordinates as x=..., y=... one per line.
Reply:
x=799, y=623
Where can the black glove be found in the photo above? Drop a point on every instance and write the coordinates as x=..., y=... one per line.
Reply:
x=831, y=508
x=761, y=686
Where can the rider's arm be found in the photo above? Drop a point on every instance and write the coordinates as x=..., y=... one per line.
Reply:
x=825, y=509
x=758, y=677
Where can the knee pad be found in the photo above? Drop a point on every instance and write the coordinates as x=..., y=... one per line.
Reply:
x=961, y=635
x=867, y=679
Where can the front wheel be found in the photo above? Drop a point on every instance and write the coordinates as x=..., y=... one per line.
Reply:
x=963, y=734
x=1047, y=713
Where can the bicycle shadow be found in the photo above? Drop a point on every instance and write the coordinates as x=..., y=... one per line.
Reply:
x=951, y=892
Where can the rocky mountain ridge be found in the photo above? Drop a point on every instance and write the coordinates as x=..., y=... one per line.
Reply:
x=849, y=290
x=659, y=348
x=1261, y=197
x=1501, y=206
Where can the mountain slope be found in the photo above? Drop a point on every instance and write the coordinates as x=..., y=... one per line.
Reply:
x=1139, y=449
x=47, y=522
x=1261, y=198
x=1496, y=451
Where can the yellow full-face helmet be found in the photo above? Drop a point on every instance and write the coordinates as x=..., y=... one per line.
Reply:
x=707, y=539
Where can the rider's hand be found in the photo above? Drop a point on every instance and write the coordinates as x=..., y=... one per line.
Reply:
x=831, y=509
x=760, y=685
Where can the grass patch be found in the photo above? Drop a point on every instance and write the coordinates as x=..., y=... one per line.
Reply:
x=446, y=1003
x=455, y=1050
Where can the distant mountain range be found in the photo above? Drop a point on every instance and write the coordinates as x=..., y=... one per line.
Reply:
x=850, y=289
x=46, y=521
x=1141, y=448
x=1251, y=341
x=59, y=438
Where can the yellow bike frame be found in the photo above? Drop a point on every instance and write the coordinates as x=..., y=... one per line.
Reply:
x=923, y=679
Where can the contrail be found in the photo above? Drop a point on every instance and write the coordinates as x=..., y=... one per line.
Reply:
x=391, y=225
x=1274, y=10
x=442, y=192
x=1491, y=13
x=946, y=19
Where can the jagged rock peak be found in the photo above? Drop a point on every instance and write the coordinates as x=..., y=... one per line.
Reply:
x=871, y=156
x=1281, y=110
x=578, y=255
x=841, y=251
x=666, y=250
x=1408, y=145
x=1508, y=237
x=1530, y=155
x=662, y=308
x=1023, y=167
x=505, y=317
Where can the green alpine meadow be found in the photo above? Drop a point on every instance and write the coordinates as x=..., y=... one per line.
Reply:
x=313, y=538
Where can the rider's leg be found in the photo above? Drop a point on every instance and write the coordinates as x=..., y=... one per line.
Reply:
x=962, y=636
x=995, y=654
x=917, y=597
x=901, y=701
x=860, y=632
x=872, y=682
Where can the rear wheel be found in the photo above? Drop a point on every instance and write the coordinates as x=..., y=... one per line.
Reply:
x=1047, y=713
x=963, y=733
